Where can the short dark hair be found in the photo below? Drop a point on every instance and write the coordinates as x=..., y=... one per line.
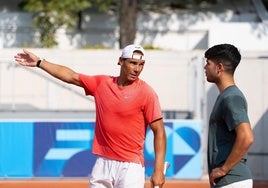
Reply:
x=226, y=54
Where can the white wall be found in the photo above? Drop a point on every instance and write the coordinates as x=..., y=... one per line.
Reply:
x=170, y=73
x=248, y=36
x=165, y=70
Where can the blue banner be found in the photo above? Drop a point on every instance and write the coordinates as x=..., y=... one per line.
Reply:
x=63, y=149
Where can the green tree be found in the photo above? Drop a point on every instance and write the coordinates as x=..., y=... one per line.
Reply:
x=50, y=15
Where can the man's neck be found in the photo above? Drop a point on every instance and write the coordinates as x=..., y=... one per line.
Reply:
x=224, y=83
x=123, y=83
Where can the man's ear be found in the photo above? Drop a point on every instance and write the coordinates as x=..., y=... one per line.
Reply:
x=119, y=61
x=220, y=67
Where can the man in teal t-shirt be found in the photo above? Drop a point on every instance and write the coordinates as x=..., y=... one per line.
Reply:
x=230, y=134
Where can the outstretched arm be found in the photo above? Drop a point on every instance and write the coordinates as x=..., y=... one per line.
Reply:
x=60, y=72
x=158, y=178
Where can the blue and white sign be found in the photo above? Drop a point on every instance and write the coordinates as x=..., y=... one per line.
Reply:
x=183, y=149
x=63, y=149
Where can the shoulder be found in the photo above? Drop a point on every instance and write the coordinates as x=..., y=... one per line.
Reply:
x=94, y=77
x=234, y=90
x=90, y=81
x=232, y=93
x=234, y=98
x=145, y=86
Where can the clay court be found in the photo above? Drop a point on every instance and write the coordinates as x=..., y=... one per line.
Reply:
x=83, y=183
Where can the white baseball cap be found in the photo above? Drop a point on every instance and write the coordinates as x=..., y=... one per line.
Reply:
x=130, y=49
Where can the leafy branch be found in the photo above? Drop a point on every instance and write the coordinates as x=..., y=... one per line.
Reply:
x=50, y=15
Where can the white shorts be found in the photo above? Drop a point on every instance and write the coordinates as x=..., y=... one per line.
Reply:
x=108, y=173
x=240, y=184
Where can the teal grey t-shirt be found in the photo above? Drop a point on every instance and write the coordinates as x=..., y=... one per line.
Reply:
x=230, y=110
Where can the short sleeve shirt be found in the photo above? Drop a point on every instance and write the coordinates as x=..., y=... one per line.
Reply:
x=229, y=111
x=122, y=116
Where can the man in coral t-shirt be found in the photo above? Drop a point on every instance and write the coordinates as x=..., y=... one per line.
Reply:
x=125, y=106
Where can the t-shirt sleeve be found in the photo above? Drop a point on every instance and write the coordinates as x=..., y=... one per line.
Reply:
x=152, y=109
x=89, y=83
x=235, y=111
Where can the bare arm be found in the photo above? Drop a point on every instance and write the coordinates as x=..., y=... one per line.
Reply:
x=60, y=72
x=158, y=178
x=244, y=139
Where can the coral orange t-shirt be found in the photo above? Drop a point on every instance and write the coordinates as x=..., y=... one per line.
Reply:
x=122, y=116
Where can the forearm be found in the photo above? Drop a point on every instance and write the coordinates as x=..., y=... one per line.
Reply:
x=243, y=141
x=238, y=152
x=158, y=178
x=63, y=73
x=160, y=151
x=60, y=72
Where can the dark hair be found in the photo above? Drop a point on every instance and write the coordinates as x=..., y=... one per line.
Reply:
x=226, y=54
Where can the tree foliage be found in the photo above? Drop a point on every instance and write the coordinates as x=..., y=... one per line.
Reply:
x=50, y=15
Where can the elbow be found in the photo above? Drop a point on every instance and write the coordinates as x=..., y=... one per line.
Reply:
x=251, y=140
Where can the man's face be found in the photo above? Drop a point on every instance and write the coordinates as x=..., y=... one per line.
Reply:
x=131, y=68
x=211, y=71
